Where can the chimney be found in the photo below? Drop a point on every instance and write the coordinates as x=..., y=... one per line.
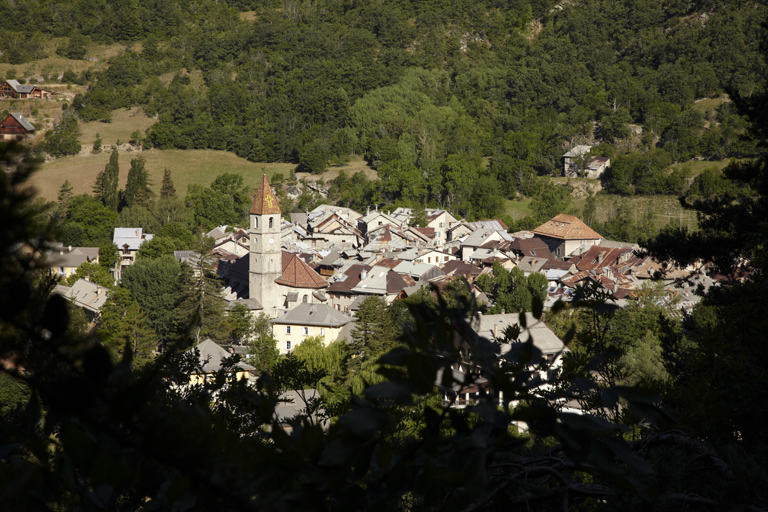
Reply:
x=70, y=249
x=363, y=274
x=495, y=330
x=367, y=210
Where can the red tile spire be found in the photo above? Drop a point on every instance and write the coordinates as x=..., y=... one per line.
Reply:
x=265, y=201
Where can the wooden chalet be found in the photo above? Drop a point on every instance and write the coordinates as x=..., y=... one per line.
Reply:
x=16, y=127
x=14, y=90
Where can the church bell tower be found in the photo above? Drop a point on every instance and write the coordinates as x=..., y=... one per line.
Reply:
x=266, y=255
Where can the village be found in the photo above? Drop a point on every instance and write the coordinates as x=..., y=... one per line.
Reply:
x=310, y=274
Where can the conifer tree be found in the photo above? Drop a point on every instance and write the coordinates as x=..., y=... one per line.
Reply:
x=105, y=188
x=201, y=313
x=167, y=189
x=137, y=190
x=374, y=332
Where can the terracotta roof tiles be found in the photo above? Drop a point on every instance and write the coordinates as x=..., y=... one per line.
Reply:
x=297, y=274
x=566, y=227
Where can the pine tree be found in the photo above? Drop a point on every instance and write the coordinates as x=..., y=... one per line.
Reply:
x=167, y=189
x=65, y=193
x=137, y=190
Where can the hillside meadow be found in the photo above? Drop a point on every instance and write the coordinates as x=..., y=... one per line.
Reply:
x=187, y=166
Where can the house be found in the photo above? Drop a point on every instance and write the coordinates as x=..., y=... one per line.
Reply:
x=16, y=127
x=596, y=166
x=330, y=229
x=128, y=241
x=434, y=256
x=86, y=295
x=382, y=281
x=479, y=237
x=563, y=234
x=211, y=357
x=376, y=219
x=64, y=261
x=441, y=221
x=14, y=90
x=573, y=160
x=305, y=320
x=340, y=289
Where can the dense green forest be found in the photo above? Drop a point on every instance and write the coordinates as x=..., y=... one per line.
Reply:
x=452, y=102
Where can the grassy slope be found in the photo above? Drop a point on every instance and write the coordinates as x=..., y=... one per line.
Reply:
x=124, y=123
x=193, y=166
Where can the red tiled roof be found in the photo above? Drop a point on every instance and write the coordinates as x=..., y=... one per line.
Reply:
x=566, y=227
x=265, y=202
x=297, y=274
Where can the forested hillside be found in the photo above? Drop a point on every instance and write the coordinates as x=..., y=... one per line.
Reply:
x=456, y=104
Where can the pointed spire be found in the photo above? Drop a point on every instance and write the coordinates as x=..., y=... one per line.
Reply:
x=265, y=201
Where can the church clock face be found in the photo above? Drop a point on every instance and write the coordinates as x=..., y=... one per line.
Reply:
x=271, y=240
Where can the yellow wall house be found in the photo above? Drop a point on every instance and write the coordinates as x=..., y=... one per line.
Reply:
x=64, y=261
x=306, y=320
x=211, y=356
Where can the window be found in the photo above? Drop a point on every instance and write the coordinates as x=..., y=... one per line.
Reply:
x=305, y=298
x=288, y=330
x=305, y=331
x=287, y=345
x=255, y=222
x=322, y=331
x=271, y=222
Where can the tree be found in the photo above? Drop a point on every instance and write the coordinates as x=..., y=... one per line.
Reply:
x=93, y=272
x=64, y=138
x=200, y=312
x=124, y=323
x=262, y=346
x=167, y=189
x=156, y=285
x=550, y=200
x=106, y=184
x=65, y=194
x=373, y=334
x=137, y=190
x=241, y=324
x=160, y=246
x=95, y=222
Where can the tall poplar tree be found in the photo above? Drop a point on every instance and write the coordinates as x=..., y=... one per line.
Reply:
x=105, y=187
